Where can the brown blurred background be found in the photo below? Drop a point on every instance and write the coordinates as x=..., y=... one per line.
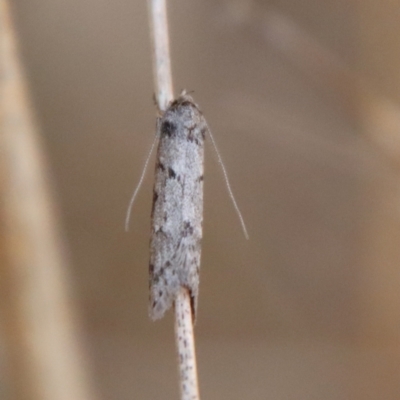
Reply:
x=303, y=100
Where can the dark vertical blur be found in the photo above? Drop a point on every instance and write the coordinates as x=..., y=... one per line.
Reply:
x=303, y=100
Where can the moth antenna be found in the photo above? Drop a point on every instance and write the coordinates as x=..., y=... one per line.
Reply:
x=136, y=191
x=228, y=185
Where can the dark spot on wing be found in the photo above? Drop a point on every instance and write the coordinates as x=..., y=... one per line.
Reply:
x=190, y=136
x=160, y=166
x=155, y=278
x=171, y=173
x=155, y=196
x=187, y=229
x=168, y=128
x=203, y=132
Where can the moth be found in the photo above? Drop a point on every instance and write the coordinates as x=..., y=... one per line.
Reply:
x=177, y=214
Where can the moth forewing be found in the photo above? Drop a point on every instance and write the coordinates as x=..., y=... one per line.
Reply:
x=177, y=214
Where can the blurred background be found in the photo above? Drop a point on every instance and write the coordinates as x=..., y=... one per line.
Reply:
x=303, y=101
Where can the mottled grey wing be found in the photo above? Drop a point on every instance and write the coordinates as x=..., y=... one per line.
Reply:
x=177, y=206
x=164, y=279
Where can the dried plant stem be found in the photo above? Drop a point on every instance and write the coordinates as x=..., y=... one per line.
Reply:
x=185, y=344
x=164, y=94
x=161, y=56
x=43, y=355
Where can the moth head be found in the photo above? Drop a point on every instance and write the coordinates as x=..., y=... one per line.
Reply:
x=183, y=98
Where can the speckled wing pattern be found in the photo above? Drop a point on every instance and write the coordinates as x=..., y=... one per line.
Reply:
x=177, y=214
